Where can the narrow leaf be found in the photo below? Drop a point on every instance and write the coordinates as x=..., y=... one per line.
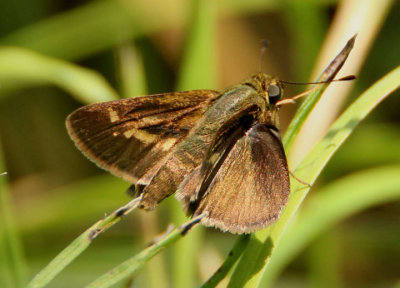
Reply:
x=331, y=205
x=20, y=67
x=125, y=269
x=248, y=273
x=80, y=244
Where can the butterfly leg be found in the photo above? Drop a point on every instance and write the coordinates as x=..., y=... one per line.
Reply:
x=135, y=190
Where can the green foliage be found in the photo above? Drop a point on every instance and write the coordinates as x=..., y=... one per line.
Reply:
x=43, y=210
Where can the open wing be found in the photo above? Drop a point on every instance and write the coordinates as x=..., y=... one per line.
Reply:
x=133, y=137
x=248, y=189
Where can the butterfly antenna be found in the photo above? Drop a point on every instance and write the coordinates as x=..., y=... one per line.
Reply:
x=264, y=46
x=305, y=93
x=345, y=78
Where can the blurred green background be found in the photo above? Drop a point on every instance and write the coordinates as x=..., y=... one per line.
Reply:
x=56, y=56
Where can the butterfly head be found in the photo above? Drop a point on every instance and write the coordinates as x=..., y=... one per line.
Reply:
x=269, y=87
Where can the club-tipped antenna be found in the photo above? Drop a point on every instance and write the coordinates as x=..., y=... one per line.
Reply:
x=305, y=93
x=345, y=78
x=264, y=46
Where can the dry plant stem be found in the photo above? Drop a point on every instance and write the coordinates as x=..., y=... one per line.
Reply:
x=302, y=113
x=72, y=251
x=370, y=18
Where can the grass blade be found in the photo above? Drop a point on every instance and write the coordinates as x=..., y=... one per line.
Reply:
x=120, y=21
x=302, y=113
x=252, y=266
x=12, y=261
x=198, y=70
x=233, y=256
x=23, y=67
x=130, y=266
x=309, y=103
x=80, y=244
x=329, y=206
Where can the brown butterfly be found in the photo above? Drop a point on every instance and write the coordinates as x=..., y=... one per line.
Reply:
x=219, y=152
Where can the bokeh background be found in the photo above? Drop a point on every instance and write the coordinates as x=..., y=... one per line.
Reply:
x=56, y=56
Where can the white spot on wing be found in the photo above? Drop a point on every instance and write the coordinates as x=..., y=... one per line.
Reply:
x=113, y=115
x=141, y=135
x=168, y=143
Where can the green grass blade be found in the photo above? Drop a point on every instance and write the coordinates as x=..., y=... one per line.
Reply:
x=345, y=124
x=306, y=35
x=241, y=7
x=131, y=71
x=130, y=266
x=331, y=205
x=80, y=32
x=324, y=261
x=252, y=266
x=80, y=244
x=12, y=261
x=295, y=126
x=224, y=269
x=198, y=71
x=312, y=99
x=120, y=21
x=53, y=210
x=23, y=67
x=328, y=74
x=133, y=82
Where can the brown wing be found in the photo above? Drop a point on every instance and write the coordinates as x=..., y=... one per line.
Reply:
x=249, y=189
x=132, y=137
x=195, y=185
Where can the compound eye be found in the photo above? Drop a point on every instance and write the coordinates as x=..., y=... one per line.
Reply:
x=274, y=93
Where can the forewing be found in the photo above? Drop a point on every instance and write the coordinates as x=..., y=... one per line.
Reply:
x=250, y=187
x=133, y=137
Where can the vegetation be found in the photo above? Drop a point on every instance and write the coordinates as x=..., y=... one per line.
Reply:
x=55, y=57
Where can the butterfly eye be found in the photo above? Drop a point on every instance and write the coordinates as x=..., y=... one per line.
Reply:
x=274, y=93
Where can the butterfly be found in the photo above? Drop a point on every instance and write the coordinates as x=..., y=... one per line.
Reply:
x=220, y=153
